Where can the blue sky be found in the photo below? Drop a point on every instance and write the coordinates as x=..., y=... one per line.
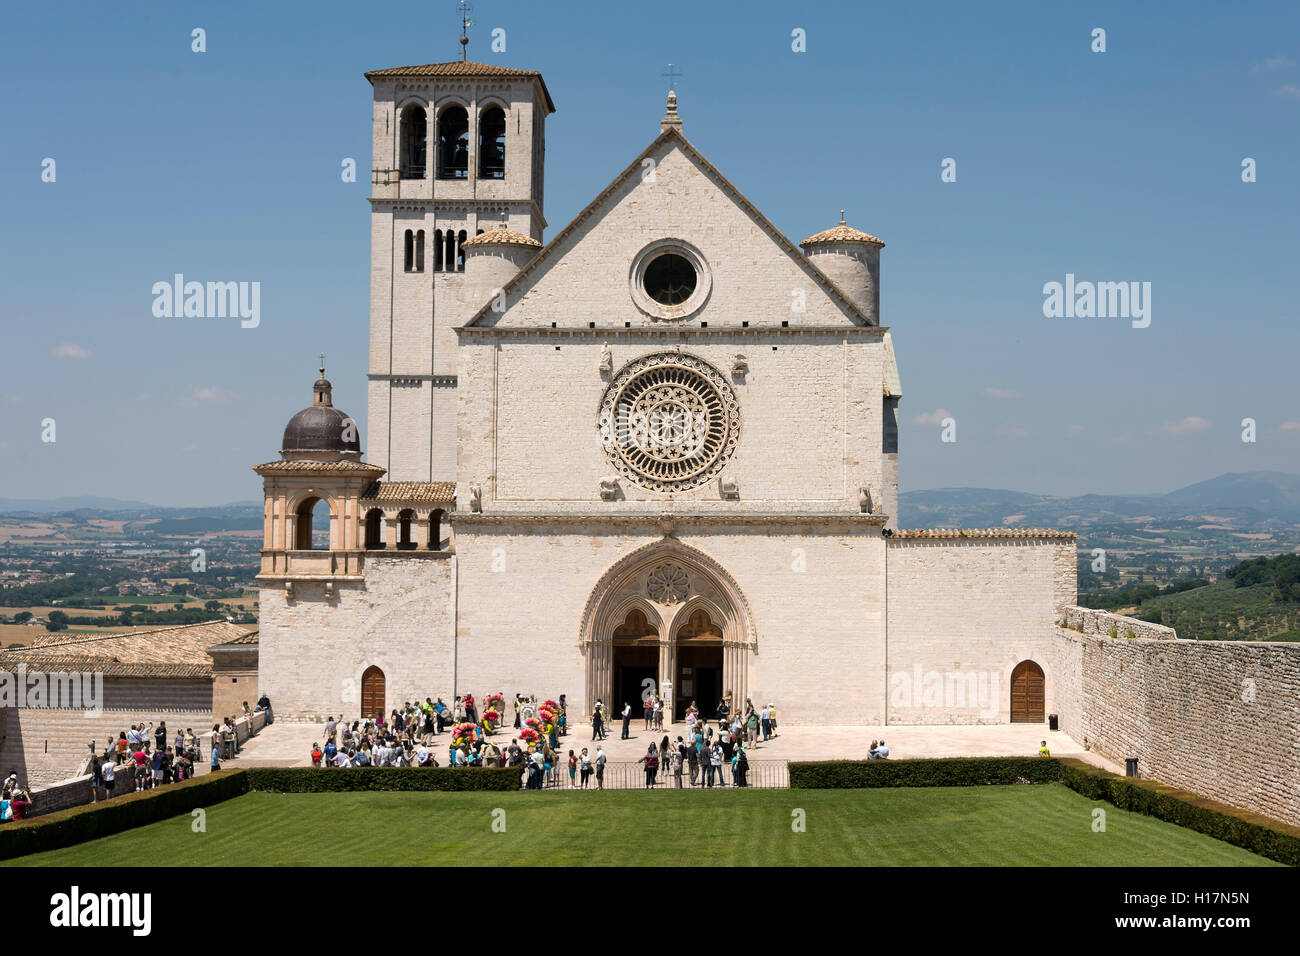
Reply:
x=1115, y=166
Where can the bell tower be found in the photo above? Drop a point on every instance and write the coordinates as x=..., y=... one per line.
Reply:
x=458, y=150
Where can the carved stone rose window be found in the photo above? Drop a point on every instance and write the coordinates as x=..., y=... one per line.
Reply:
x=669, y=421
x=667, y=584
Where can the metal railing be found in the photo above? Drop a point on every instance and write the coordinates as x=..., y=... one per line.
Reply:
x=630, y=775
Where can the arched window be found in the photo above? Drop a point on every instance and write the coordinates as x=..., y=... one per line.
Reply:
x=408, y=251
x=419, y=251
x=435, y=530
x=405, y=518
x=437, y=250
x=374, y=530
x=311, y=513
x=449, y=252
x=699, y=624
x=415, y=134
x=453, y=143
x=460, y=250
x=492, y=143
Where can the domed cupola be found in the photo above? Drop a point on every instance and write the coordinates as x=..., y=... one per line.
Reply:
x=321, y=431
x=851, y=259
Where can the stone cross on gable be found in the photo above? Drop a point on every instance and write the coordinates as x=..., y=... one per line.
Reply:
x=671, y=76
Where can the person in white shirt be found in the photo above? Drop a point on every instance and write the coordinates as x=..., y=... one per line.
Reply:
x=422, y=755
x=600, y=767
x=341, y=759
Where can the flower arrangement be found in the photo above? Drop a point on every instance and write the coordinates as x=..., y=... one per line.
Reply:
x=463, y=733
x=496, y=702
x=492, y=717
x=530, y=737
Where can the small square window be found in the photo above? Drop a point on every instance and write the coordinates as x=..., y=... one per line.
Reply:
x=785, y=324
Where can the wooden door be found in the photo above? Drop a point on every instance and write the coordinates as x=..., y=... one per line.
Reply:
x=372, y=692
x=1027, y=697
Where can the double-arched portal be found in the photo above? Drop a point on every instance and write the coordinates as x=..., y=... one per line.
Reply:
x=667, y=619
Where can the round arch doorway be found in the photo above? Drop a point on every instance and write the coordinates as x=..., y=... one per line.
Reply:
x=1027, y=694
x=372, y=692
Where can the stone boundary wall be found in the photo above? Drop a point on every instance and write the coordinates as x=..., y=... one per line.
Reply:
x=1089, y=620
x=75, y=791
x=1218, y=718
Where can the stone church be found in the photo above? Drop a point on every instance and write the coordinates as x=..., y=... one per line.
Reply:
x=657, y=451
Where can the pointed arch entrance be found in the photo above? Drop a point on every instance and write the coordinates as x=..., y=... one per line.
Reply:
x=672, y=611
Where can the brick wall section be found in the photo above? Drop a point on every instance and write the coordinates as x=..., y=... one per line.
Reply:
x=964, y=612
x=1089, y=620
x=1219, y=718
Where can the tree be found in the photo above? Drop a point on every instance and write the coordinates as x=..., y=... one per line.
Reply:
x=56, y=621
x=22, y=617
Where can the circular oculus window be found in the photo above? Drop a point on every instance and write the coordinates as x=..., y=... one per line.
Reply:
x=669, y=280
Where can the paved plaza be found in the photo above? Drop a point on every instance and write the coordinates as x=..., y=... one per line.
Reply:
x=288, y=743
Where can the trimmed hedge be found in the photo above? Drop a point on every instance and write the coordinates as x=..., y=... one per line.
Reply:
x=320, y=780
x=938, y=772
x=1251, y=831
x=62, y=828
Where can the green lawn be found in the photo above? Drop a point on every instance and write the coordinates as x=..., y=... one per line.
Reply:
x=1043, y=825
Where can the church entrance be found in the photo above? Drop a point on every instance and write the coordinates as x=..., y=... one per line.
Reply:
x=699, y=679
x=372, y=692
x=1027, y=696
x=636, y=677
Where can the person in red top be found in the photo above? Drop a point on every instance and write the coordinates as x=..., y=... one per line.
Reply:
x=19, y=804
x=315, y=755
x=142, y=774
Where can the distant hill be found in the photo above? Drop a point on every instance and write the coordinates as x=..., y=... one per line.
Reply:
x=1249, y=501
x=1223, y=611
x=44, y=506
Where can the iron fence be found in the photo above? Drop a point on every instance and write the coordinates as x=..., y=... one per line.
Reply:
x=630, y=775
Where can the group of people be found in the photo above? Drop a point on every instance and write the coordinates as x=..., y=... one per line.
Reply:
x=406, y=737
x=14, y=799
x=747, y=725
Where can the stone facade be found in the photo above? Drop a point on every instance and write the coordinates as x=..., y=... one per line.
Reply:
x=574, y=566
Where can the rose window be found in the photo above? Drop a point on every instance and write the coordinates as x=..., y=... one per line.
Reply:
x=669, y=422
x=667, y=584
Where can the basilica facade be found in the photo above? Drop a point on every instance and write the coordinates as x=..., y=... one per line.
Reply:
x=656, y=453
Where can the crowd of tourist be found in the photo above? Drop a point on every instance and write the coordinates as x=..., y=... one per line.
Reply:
x=407, y=737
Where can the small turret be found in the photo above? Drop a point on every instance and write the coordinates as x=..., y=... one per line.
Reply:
x=495, y=257
x=851, y=259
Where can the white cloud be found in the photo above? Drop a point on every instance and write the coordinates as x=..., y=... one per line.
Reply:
x=1186, y=426
x=935, y=417
x=1272, y=64
x=1289, y=90
x=1074, y=431
x=1290, y=426
x=206, y=393
x=1001, y=393
x=69, y=350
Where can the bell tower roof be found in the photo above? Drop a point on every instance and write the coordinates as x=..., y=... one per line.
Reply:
x=464, y=68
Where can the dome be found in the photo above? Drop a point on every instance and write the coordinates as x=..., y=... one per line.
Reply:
x=502, y=235
x=842, y=233
x=320, y=428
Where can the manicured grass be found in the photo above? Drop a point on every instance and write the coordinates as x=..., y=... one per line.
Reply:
x=1042, y=825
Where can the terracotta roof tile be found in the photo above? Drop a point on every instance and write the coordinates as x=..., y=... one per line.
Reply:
x=342, y=464
x=467, y=68
x=428, y=492
x=976, y=533
x=502, y=236
x=843, y=233
x=162, y=652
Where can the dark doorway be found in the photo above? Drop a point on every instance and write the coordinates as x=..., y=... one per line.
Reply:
x=699, y=679
x=1027, y=694
x=633, y=666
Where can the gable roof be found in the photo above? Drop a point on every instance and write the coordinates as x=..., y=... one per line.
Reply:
x=548, y=252
x=179, y=652
x=466, y=68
